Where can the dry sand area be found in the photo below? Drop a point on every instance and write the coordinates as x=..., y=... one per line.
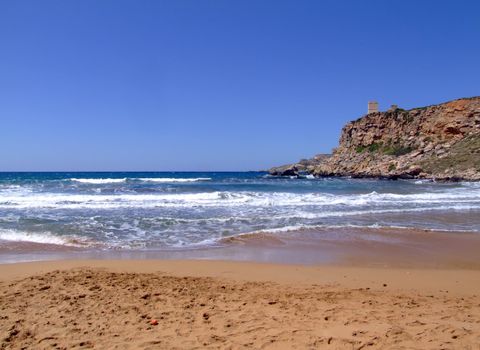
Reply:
x=227, y=305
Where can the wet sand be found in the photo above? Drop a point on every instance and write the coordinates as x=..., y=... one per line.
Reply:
x=382, y=290
x=368, y=247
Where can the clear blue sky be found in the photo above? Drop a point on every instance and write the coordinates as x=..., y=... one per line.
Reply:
x=216, y=85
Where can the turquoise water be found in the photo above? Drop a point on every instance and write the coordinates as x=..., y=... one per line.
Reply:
x=175, y=210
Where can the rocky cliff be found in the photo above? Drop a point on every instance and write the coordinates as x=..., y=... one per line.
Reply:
x=440, y=142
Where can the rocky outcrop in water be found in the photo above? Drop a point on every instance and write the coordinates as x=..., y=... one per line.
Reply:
x=305, y=166
x=436, y=142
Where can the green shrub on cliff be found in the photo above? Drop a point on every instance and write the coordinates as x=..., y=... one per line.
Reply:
x=374, y=147
x=360, y=149
x=397, y=150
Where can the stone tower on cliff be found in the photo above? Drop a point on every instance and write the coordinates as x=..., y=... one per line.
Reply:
x=372, y=107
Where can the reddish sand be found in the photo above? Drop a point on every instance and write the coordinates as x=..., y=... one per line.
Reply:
x=223, y=305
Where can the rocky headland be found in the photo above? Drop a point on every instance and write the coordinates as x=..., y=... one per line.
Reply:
x=440, y=142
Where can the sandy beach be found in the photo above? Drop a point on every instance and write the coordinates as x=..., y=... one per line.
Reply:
x=239, y=175
x=186, y=304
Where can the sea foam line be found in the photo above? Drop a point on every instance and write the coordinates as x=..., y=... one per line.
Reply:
x=279, y=232
x=101, y=181
x=43, y=238
x=98, y=181
x=306, y=227
x=172, y=179
x=223, y=199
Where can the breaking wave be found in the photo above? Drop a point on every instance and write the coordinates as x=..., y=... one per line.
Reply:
x=228, y=199
x=98, y=181
x=101, y=181
x=165, y=210
x=43, y=238
x=172, y=179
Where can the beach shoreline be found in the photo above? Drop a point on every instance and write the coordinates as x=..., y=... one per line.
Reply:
x=355, y=246
x=379, y=288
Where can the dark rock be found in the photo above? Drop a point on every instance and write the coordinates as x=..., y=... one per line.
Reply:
x=303, y=167
x=284, y=170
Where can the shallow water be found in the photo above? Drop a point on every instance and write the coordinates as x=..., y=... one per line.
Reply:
x=149, y=211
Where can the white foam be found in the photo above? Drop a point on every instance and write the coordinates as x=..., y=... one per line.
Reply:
x=467, y=197
x=306, y=227
x=420, y=182
x=172, y=179
x=98, y=181
x=45, y=238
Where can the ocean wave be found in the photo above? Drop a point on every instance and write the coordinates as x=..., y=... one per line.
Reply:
x=101, y=181
x=232, y=199
x=172, y=179
x=98, y=181
x=184, y=211
x=43, y=238
x=376, y=226
x=372, y=232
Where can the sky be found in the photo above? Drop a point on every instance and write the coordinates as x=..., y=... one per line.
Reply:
x=140, y=85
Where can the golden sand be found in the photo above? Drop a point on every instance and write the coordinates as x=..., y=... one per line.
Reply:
x=228, y=305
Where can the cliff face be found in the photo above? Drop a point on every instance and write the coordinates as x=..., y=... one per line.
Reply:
x=440, y=141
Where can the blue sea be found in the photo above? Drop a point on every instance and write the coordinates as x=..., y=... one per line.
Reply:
x=184, y=210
